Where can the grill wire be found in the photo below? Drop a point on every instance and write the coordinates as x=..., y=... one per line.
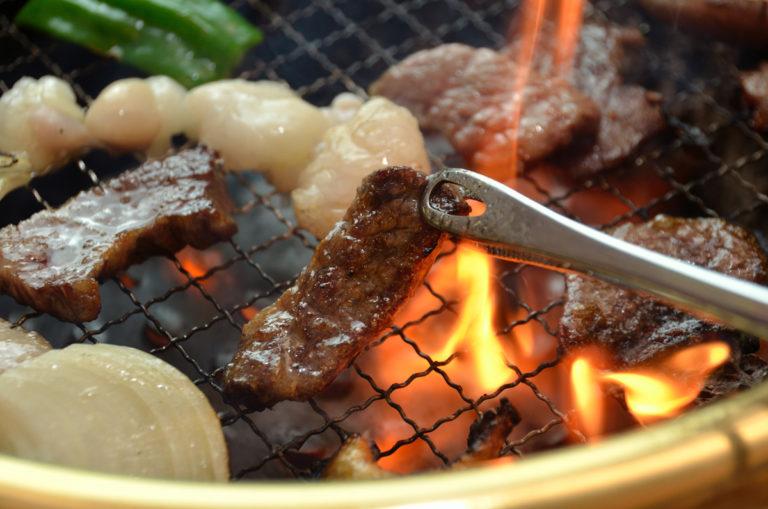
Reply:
x=322, y=48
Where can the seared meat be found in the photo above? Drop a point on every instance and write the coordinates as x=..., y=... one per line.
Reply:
x=741, y=21
x=354, y=461
x=358, y=278
x=755, y=87
x=488, y=434
x=52, y=260
x=468, y=95
x=629, y=114
x=635, y=328
x=737, y=375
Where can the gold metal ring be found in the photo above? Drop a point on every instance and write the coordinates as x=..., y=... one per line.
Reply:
x=695, y=455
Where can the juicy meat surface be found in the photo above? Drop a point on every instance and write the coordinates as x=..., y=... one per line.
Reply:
x=754, y=85
x=358, y=278
x=634, y=328
x=629, y=114
x=52, y=260
x=468, y=94
x=741, y=21
x=590, y=114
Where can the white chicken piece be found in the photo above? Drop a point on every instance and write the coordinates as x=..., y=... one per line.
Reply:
x=260, y=125
x=138, y=115
x=169, y=98
x=380, y=134
x=41, y=127
x=125, y=115
x=342, y=108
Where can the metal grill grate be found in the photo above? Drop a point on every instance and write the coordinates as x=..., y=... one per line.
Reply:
x=186, y=313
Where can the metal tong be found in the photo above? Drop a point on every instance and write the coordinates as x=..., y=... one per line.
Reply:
x=514, y=227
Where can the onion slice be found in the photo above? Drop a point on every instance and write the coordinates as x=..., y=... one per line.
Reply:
x=18, y=345
x=114, y=409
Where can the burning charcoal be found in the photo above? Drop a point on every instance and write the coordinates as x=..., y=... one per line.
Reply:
x=355, y=461
x=755, y=87
x=634, y=328
x=741, y=21
x=734, y=376
x=52, y=260
x=488, y=434
x=359, y=277
x=486, y=440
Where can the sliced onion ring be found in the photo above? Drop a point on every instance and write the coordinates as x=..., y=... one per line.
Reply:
x=114, y=409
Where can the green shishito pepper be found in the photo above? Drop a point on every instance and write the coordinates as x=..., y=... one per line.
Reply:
x=192, y=41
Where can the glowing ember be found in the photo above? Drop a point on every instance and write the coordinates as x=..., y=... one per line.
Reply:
x=127, y=280
x=475, y=328
x=192, y=262
x=657, y=391
x=402, y=461
x=197, y=264
x=525, y=340
x=248, y=313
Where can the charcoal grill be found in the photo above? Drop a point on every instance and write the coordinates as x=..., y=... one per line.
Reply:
x=185, y=313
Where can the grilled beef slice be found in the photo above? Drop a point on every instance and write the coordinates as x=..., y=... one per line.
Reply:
x=52, y=260
x=468, y=94
x=635, y=328
x=629, y=114
x=358, y=278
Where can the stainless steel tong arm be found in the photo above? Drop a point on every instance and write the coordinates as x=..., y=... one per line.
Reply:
x=517, y=228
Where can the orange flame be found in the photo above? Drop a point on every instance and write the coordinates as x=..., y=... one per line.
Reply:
x=475, y=327
x=498, y=158
x=568, y=31
x=585, y=385
x=657, y=391
x=665, y=389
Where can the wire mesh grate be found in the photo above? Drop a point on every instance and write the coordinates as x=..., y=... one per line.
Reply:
x=183, y=309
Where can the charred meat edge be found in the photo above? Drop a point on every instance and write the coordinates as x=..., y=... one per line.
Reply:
x=359, y=277
x=52, y=260
x=635, y=329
